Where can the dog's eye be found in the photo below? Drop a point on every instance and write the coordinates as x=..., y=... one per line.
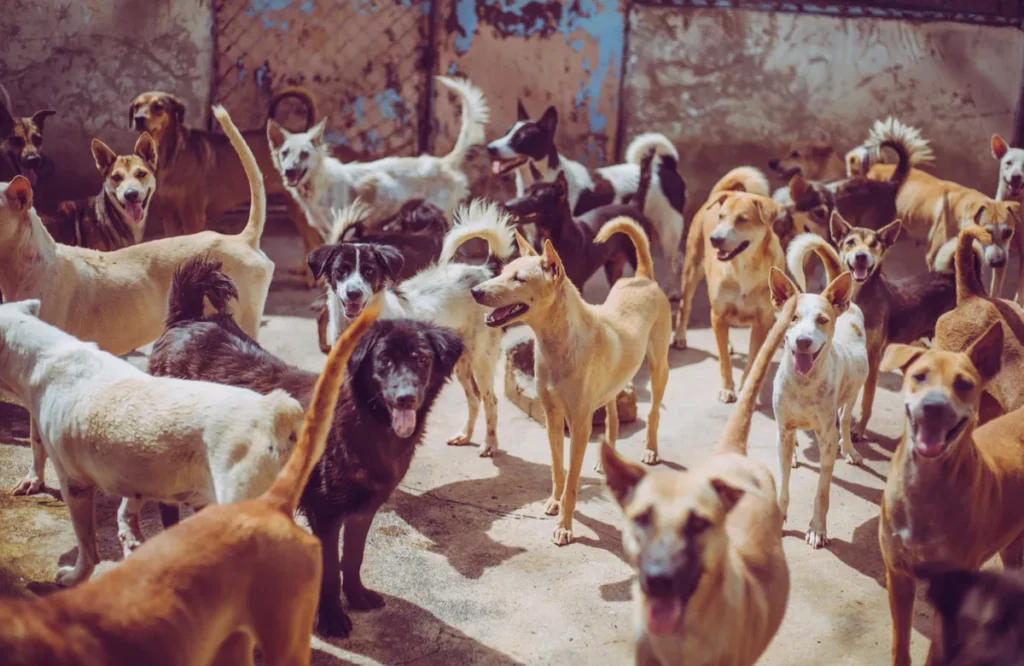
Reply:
x=873, y=244
x=141, y=174
x=37, y=140
x=794, y=154
x=795, y=319
x=920, y=377
x=117, y=178
x=822, y=320
x=17, y=142
x=517, y=278
x=961, y=385
x=284, y=153
x=157, y=106
x=386, y=363
x=1007, y=233
x=422, y=359
x=850, y=242
x=303, y=155
x=644, y=519
x=819, y=212
x=695, y=525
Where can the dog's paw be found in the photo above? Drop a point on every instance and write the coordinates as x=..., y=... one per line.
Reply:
x=364, y=599
x=27, y=486
x=816, y=538
x=859, y=433
x=562, y=536
x=650, y=457
x=334, y=623
x=727, y=396
x=679, y=342
x=69, y=576
x=489, y=450
x=795, y=462
x=459, y=439
x=854, y=458
x=552, y=506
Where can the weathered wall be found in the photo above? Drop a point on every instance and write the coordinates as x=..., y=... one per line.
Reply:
x=88, y=58
x=735, y=87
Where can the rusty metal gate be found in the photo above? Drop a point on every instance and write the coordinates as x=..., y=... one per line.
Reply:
x=367, y=62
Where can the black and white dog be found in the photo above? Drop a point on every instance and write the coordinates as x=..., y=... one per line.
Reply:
x=533, y=142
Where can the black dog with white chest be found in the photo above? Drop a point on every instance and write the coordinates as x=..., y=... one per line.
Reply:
x=395, y=375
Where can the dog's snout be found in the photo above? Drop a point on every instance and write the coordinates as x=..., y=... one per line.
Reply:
x=717, y=241
x=658, y=570
x=492, y=152
x=33, y=161
x=934, y=406
x=658, y=585
x=292, y=173
x=406, y=400
x=1016, y=178
x=131, y=195
x=477, y=294
x=803, y=343
x=140, y=122
x=353, y=294
x=773, y=164
x=861, y=258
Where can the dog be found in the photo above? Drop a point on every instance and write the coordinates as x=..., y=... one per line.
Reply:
x=319, y=183
x=546, y=204
x=109, y=427
x=396, y=374
x=980, y=615
x=532, y=142
x=205, y=592
x=21, y=146
x=706, y=543
x=732, y=244
x=1011, y=170
x=439, y=294
x=814, y=160
x=953, y=494
x=822, y=371
x=116, y=217
x=634, y=322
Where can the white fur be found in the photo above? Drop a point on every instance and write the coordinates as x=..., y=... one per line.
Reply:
x=1011, y=166
x=891, y=129
x=110, y=427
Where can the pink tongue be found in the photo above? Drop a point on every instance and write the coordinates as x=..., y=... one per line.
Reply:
x=802, y=363
x=663, y=615
x=860, y=272
x=496, y=168
x=134, y=210
x=403, y=421
x=930, y=439
x=31, y=175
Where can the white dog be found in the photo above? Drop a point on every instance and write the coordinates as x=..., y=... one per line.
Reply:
x=110, y=427
x=823, y=368
x=320, y=183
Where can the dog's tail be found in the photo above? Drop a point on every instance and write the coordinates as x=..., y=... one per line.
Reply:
x=968, y=280
x=629, y=226
x=299, y=93
x=659, y=143
x=803, y=245
x=195, y=279
x=737, y=429
x=287, y=489
x=480, y=219
x=253, y=230
x=743, y=179
x=910, y=147
x=346, y=218
x=475, y=116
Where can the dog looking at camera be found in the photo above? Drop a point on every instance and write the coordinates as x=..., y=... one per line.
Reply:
x=21, y=146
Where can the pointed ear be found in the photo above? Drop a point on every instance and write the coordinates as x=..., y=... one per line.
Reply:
x=316, y=135
x=39, y=117
x=999, y=147
x=731, y=487
x=552, y=262
x=320, y=259
x=721, y=199
x=889, y=233
x=549, y=121
x=781, y=288
x=525, y=249
x=521, y=113
x=29, y=307
x=145, y=147
x=390, y=259
x=783, y=223
x=563, y=186
x=535, y=173
x=276, y=134
x=104, y=156
x=797, y=186
x=987, y=352
x=979, y=213
x=131, y=115
x=899, y=357
x=839, y=292
x=19, y=194
x=838, y=227
x=620, y=475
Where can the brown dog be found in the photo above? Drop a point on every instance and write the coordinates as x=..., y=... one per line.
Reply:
x=204, y=592
x=21, y=144
x=954, y=493
x=815, y=160
x=712, y=581
x=732, y=244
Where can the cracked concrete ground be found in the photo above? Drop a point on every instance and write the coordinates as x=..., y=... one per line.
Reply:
x=463, y=552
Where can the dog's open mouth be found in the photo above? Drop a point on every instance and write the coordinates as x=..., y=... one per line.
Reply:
x=352, y=308
x=663, y=614
x=931, y=439
x=803, y=362
x=1014, y=188
x=136, y=210
x=729, y=255
x=403, y=421
x=505, y=314
x=295, y=177
x=501, y=167
x=860, y=272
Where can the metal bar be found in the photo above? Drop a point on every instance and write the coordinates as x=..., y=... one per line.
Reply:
x=620, y=130
x=427, y=64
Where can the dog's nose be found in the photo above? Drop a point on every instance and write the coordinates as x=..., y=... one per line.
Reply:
x=658, y=586
x=717, y=241
x=492, y=151
x=803, y=343
x=773, y=164
x=131, y=195
x=997, y=262
x=33, y=161
x=861, y=258
x=140, y=122
x=406, y=401
x=477, y=294
x=1016, y=179
x=353, y=294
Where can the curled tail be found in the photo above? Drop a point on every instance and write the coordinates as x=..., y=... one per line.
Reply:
x=480, y=219
x=643, y=188
x=195, y=279
x=905, y=140
x=743, y=179
x=659, y=143
x=299, y=93
x=347, y=218
x=253, y=230
x=968, y=282
x=287, y=489
x=737, y=429
x=628, y=226
x=804, y=244
x=475, y=116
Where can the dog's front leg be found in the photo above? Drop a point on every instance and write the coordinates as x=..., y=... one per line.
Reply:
x=868, y=398
x=901, y=606
x=693, y=273
x=846, y=432
x=611, y=430
x=758, y=332
x=786, y=448
x=331, y=618
x=81, y=504
x=657, y=364
x=483, y=374
x=359, y=597
x=464, y=373
x=554, y=420
x=33, y=482
x=580, y=426
x=721, y=327
x=129, y=532
x=828, y=445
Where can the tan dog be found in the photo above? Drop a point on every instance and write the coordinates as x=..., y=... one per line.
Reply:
x=712, y=581
x=732, y=244
x=634, y=322
x=816, y=160
x=207, y=591
x=954, y=494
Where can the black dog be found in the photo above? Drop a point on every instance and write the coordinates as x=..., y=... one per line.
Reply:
x=547, y=206
x=395, y=375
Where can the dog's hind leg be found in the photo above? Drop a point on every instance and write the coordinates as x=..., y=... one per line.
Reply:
x=580, y=426
x=331, y=618
x=828, y=445
x=692, y=274
x=554, y=421
x=483, y=373
x=846, y=432
x=1013, y=555
x=786, y=448
x=868, y=398
x=611, y=429
x=901, y=606
x=657, y=364
x=129, y=532
x=81, y=504
x=464, y=372
x=360, y=597
x=33, y=482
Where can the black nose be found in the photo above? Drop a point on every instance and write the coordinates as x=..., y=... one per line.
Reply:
x=32, y=161
x=140, y=123
x=998, y=262
x=492, y=152
x=717, y=241
x=406, y=401
x=773, y=164
x=477, y=294
x=131, y=195
x=1016, y=179
x=661, y=585
x=803, y=343
x=353, y=294
x=861, y=258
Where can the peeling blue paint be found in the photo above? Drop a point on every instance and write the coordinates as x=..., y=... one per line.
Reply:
x=261, y=75
x=356, y=108
x=465, y=12
x=373, y=140
x=336, y=138
x=307, y=7
x=452, y=68
x=388, y=104
x=240, y=66
x=264, y=6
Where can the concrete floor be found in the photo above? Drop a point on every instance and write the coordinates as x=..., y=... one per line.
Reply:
x=463, y=551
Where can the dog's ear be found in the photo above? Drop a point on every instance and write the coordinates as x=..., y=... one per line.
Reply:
x=821, y=151
x=731, y=486
x=19, y=194
x=999, y=147
x=899, y=357
x=721, y=199
x=767, y=209
x=39, y=118
x=276, y=134
x=448, y=348
x=838, y=227
x=839, y=293
x=316, y=135
x=365, y=346
x=535, y=173
x=525, y=249
x=563, y=186
x=6, y=121
x=521, y=113
x=979, y=213
x=987, y=352
x=549, y=121
x=104, y=156
x=390, y=259
x=620, y=475
x=131, y=115
x=176, y=107
x=781, y=288
x=783, y=224
x=797, y=186
x=320, y=259
x=29, y=307
x=145, y=147
x=889, y=233
x=552, y=262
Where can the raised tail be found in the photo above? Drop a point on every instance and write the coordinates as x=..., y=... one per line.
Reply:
x=804, y=244
x=299, y=93
x=737, y=429
x=480, y=219
x=743, y=179
x=475, y=116
x=968, y=282
x=195, y=279
x=629, y=226
x=253, y=231
x=905, y=140
x=346, y=218
x=659, y=143
x=287, y=489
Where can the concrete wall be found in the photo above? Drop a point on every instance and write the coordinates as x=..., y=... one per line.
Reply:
x=88, y=58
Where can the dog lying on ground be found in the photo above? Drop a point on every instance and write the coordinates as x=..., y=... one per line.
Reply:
x=732, y=244
x=706, y=544
x=823, y=368
x=319, y=183
x=634, y=322
x=110, y=427
x=532, y=142
x=546, y=204
x=439, y=294
x=396, y=372
x=205, y=592
x=116, y=217
x=900, y=311
x=21, y=145
x=953, y=495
